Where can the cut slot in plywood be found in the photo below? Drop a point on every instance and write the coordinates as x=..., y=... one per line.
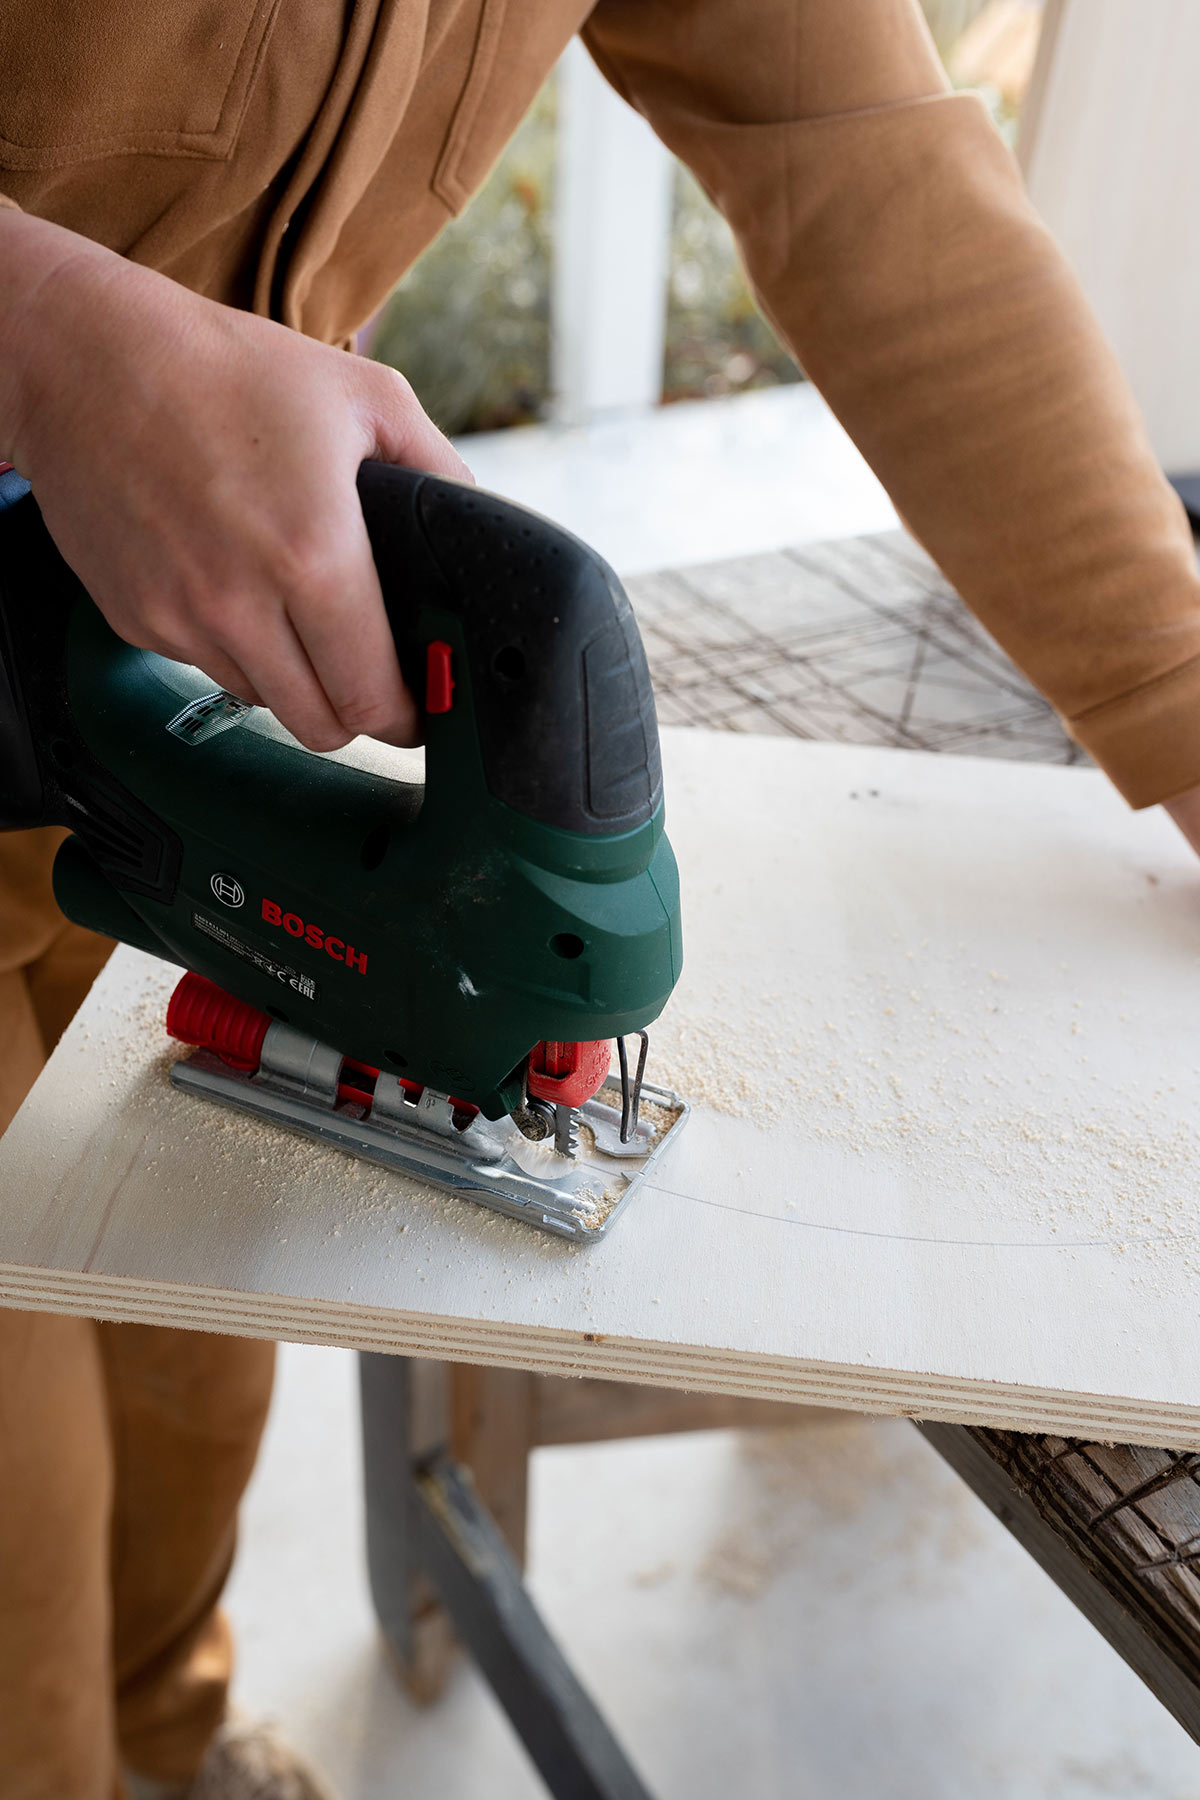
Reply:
x=939, y=1019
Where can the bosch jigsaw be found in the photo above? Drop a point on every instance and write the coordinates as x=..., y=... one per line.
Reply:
x=426, y=972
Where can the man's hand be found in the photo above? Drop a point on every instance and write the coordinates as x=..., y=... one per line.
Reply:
x=196, y=467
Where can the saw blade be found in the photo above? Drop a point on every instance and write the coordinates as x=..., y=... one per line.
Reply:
x=566, y=1131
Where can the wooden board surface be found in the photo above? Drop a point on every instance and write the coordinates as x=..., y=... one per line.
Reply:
x=939, y=1018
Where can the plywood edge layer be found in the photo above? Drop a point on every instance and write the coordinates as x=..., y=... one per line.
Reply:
x=897, y=1392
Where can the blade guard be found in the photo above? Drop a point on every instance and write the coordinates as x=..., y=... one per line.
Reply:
x=568, y=1074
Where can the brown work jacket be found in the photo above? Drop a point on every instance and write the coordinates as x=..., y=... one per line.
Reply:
x=296, y=156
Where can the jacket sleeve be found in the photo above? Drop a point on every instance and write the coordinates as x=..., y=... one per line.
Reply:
x=886, y=232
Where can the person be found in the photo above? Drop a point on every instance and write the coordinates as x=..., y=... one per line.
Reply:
x=201, y=201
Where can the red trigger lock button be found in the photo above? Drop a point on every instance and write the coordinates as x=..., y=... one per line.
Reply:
x=439, y=679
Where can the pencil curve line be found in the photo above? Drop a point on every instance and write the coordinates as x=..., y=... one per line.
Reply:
x=902, y=1237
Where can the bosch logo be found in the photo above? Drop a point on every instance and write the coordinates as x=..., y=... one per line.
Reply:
x=227, y=890
x=313, y=935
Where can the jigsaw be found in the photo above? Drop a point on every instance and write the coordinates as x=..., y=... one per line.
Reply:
x=426, y=967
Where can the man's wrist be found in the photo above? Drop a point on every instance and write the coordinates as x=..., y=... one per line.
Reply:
x=34, y=258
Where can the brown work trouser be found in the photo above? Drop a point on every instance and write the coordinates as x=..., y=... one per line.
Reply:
x=124, y=1450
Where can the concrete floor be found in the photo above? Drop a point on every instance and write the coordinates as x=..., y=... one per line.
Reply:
x=825, y=1614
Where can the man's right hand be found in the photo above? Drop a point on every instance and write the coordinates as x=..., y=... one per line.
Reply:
x=196, y=467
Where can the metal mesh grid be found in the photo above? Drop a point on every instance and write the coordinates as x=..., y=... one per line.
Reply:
x=860, y=641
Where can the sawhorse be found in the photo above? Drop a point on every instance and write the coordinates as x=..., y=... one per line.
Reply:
x=446, y=1455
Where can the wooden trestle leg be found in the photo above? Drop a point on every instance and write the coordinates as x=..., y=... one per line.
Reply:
x=429, y=1539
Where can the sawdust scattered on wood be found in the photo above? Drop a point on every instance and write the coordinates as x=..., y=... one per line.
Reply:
x=965, y=1088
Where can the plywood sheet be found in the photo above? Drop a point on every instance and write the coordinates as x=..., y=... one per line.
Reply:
x=940, y=1021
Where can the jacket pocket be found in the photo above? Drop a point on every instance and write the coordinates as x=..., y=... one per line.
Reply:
x=81, y=79
x=464, y=160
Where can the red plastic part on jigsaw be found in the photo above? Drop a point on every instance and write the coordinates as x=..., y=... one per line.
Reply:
x=203, y=1014
x=569, y=1074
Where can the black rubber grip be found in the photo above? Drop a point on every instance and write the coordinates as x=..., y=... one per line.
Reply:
x=564, y=709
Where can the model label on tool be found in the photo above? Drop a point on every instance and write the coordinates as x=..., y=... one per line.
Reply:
x=296, y=979
x=296, y=927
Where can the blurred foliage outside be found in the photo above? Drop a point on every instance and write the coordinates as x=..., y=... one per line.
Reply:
x=717, y=340
x=470, y=324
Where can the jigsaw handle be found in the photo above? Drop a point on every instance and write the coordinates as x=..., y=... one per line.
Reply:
x=538, y=638
x=517, y=636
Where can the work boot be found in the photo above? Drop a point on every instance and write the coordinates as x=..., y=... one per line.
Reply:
x=246, y=1761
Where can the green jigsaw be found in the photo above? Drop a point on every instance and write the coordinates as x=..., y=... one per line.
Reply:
x=423, y=965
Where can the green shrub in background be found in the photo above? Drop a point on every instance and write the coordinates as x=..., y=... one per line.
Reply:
x=470, y=325
x=717, y=340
